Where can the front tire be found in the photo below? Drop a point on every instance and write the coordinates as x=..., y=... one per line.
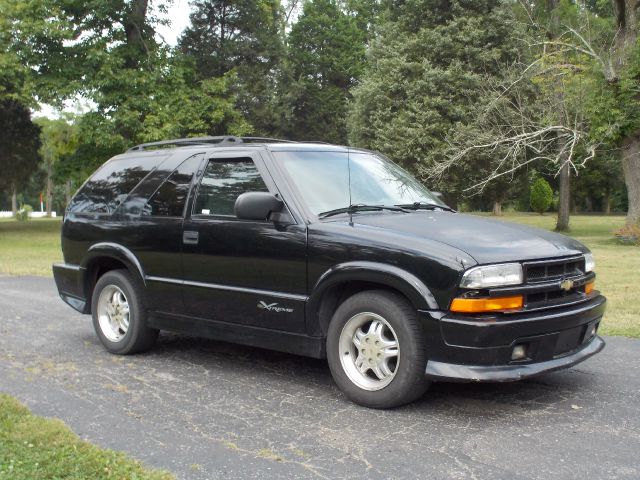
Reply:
x=376, y=350
x=119, y=316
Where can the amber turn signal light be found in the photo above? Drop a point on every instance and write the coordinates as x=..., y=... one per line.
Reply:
x=588, y=288
x=478, y=305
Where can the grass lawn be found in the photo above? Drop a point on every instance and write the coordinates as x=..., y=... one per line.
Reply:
x=36, y=448
x=29, y=248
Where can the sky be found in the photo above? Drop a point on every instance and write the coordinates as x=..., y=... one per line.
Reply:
x=178, y=14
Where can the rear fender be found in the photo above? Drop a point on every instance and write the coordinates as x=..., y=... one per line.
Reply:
x=110, y=250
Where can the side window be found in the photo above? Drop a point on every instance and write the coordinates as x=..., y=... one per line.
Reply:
x=169, y=200
x=111, y=184
x=223, y=181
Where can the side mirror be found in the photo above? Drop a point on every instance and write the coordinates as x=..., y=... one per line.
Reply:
x=257, y=205
x=439, y=195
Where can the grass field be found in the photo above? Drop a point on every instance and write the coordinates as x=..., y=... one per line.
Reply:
x=36, y=448
x=30, y=248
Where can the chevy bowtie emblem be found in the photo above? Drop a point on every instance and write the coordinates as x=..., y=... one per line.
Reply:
x=566, y=285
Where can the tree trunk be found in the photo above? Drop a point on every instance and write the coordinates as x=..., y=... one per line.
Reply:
x=67, y=192
x=14, y=200
x=607, y=202
x=49, y=195
x=134, y=24
x=564, y=202
x=625, y=14
x=497, y=208
x=631, y=169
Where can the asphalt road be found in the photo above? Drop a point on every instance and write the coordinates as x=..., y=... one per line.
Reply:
x=207, y=410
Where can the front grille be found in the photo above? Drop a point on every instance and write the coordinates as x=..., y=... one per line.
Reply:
x=553, y=298
x=553, y=272
x=537, y=272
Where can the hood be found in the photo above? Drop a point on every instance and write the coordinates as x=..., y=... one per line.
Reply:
x=486, y=240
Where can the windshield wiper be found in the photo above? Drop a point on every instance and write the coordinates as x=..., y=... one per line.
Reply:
x=360, y=207
x=425, y=206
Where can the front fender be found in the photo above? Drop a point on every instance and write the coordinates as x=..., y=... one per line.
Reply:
x=388, y=275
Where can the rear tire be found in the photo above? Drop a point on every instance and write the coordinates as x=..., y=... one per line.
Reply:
x=119, y=315
x=376, y=350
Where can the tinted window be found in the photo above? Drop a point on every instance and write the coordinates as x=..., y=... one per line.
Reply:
x=223, y=181
x=170, y=198
x=111, y=184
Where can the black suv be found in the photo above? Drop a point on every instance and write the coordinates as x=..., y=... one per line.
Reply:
x=324, y=251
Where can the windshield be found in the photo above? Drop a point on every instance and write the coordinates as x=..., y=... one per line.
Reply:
x=322, y=180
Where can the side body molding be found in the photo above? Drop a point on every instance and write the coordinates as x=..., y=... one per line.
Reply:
x=411, y=286
x=116, y=251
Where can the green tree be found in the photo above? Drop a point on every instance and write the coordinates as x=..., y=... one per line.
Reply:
x=70, y=46
x=59, y=141
x=178, y=108
x=19, y=138
x=600, y=185
x=426, y=80
x=541, y=195
x=615, y=104
x=108, y=53
x=241, y=36
x=326, y=58
x=368, y=14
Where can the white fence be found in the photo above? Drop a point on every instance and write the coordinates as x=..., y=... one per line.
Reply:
x=32, y=214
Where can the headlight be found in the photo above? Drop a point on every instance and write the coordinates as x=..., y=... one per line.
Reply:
x=492, y=276
x=589, y=263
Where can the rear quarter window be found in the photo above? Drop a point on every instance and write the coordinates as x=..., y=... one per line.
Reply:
x=111, y=184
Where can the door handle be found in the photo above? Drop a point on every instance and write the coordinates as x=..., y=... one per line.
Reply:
x=190, y=237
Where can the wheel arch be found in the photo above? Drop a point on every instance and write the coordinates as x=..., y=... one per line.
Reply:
x=347, y=279
x=103, y=257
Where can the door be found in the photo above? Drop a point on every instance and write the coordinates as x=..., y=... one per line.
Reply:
x=239, y=271
x=155, y=237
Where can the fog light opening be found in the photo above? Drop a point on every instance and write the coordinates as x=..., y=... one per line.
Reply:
x=519, y=352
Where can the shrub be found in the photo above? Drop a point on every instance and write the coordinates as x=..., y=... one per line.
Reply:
x=22, y=215
x=629, y=235
x=541, y=196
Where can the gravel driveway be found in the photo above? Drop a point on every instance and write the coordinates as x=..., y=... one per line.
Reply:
x=205, y=410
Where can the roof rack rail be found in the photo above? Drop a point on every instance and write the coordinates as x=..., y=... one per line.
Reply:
x=228, y=139
x=223, y=140
x=265, y=139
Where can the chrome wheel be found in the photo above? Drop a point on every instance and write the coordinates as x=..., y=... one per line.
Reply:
x=113, y=313
x=369, y=351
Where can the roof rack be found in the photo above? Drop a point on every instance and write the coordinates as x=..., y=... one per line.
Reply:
x=221, y=141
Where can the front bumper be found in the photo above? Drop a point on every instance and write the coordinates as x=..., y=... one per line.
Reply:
x=509, y=373
x=479, y=348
